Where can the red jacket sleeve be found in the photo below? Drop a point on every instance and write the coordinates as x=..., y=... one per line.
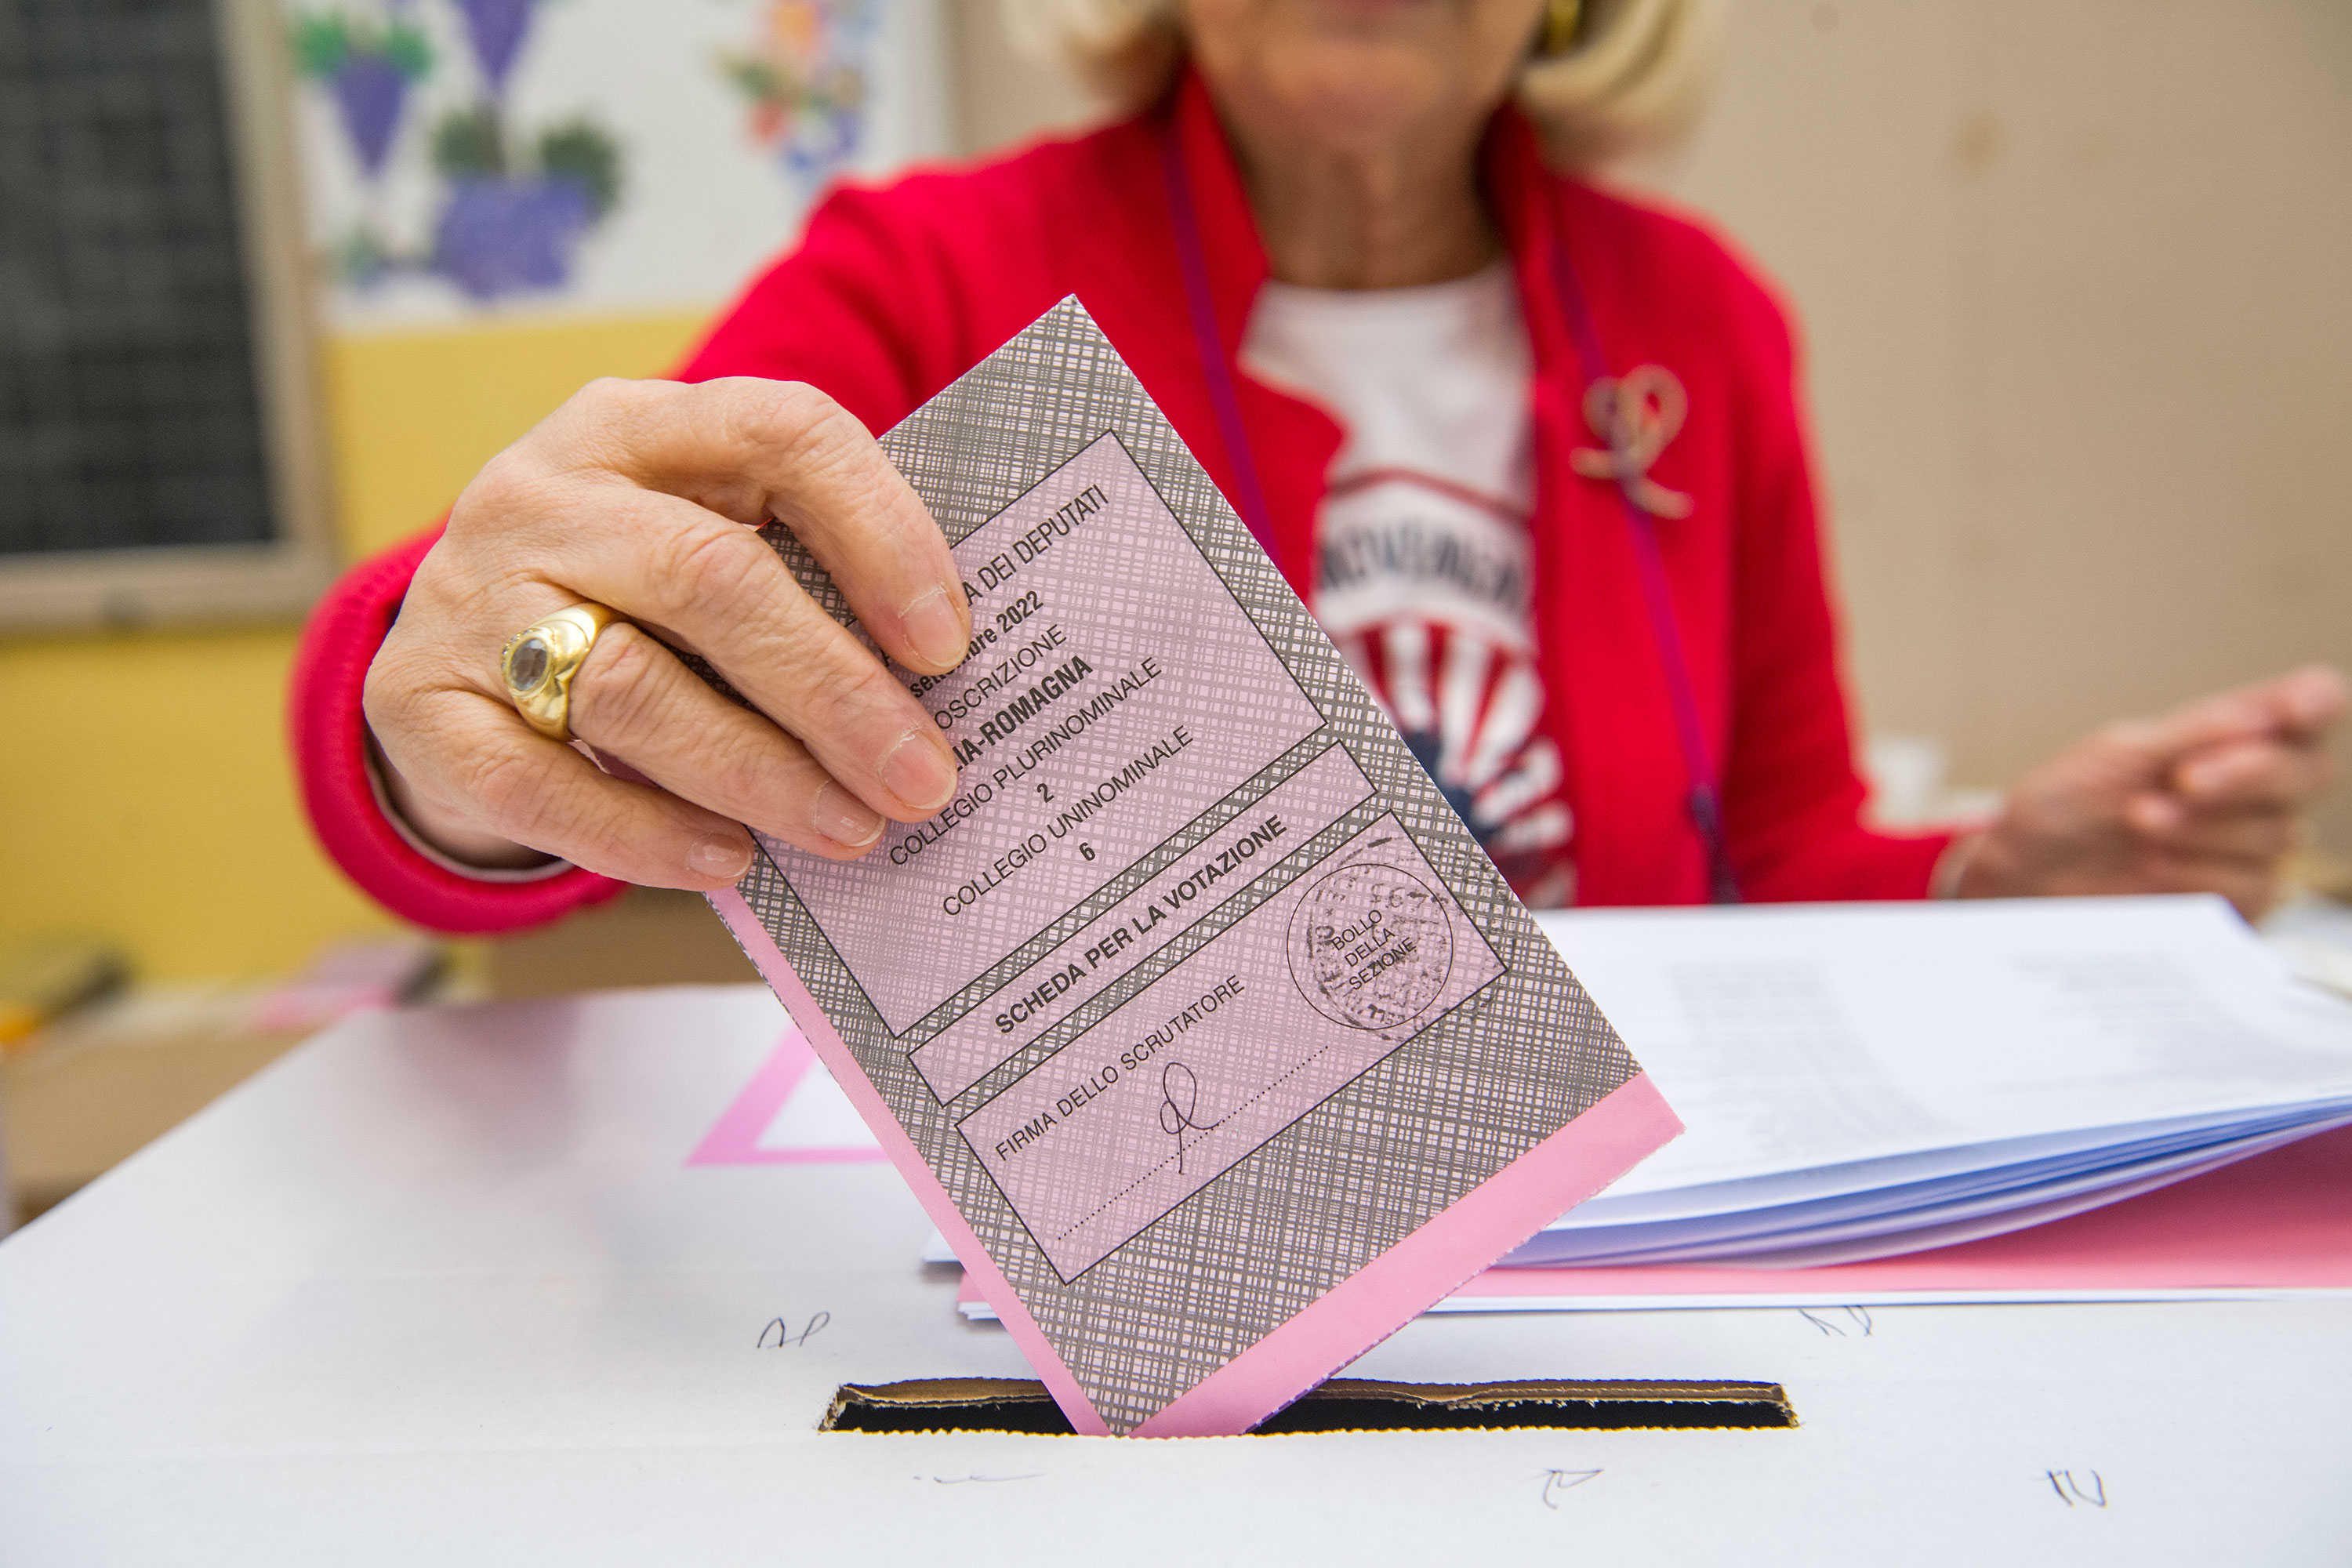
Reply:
x=329, y=732
x=1792, y=799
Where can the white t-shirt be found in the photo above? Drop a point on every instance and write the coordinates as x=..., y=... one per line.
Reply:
x=1422, y=568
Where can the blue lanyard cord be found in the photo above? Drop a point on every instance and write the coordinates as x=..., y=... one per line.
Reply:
x=1704, y=801
x=1194, y=260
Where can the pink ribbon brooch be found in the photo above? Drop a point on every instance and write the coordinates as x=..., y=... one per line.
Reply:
x=1637, y=414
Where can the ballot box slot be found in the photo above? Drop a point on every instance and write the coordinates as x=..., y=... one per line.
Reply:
x=1342, y=1405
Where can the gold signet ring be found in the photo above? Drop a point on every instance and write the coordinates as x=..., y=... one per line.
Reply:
x=540, y=661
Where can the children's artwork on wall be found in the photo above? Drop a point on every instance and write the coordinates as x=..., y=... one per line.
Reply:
x=808, y=81
x=464, y=157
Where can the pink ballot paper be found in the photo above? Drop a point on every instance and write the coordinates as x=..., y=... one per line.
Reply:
x=1205, y=1031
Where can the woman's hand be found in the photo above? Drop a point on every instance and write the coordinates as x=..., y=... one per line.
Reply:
x=2208, y=798
x=645, y=495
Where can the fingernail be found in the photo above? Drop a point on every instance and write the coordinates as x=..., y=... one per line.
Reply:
x=718, y=857
x=2155, y=813
x=933, y=624
x=843, y=819
x=918, y=772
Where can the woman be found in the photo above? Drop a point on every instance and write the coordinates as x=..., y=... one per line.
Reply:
x=1532, y=451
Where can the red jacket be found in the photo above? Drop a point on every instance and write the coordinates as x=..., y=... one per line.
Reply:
x=895, y=291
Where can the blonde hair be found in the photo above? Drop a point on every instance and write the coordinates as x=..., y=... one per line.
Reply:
x=1636, y=80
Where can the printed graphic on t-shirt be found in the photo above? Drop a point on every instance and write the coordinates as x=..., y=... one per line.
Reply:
x=1424, y=585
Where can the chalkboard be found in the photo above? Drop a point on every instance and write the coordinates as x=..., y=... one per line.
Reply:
x=129, y=412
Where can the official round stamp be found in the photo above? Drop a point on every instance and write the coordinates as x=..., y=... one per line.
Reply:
x=1372, y=946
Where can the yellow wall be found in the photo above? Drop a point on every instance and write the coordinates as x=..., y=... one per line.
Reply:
x=144, y=792
x=413, y=416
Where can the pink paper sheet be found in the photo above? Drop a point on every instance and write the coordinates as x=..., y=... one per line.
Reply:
x=1202, y=1026
x=2278, y=1221
x=2282, y=1220
x=735, y=1139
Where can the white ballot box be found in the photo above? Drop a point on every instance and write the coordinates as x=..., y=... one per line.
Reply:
x=446, y=1286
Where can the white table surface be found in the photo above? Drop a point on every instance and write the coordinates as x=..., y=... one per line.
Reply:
x=439, y=1287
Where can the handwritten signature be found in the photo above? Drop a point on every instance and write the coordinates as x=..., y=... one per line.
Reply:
x=1559, y=1481
x=1856, y=1318
x=1180, y=1116
x=783, y=1330
x=2071, y=1491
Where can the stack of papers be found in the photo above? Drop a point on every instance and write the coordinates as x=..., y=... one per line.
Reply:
x=1860, y=1081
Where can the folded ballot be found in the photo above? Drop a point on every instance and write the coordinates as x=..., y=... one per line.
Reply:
x=1210, y=1038
x=1864, y=1080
